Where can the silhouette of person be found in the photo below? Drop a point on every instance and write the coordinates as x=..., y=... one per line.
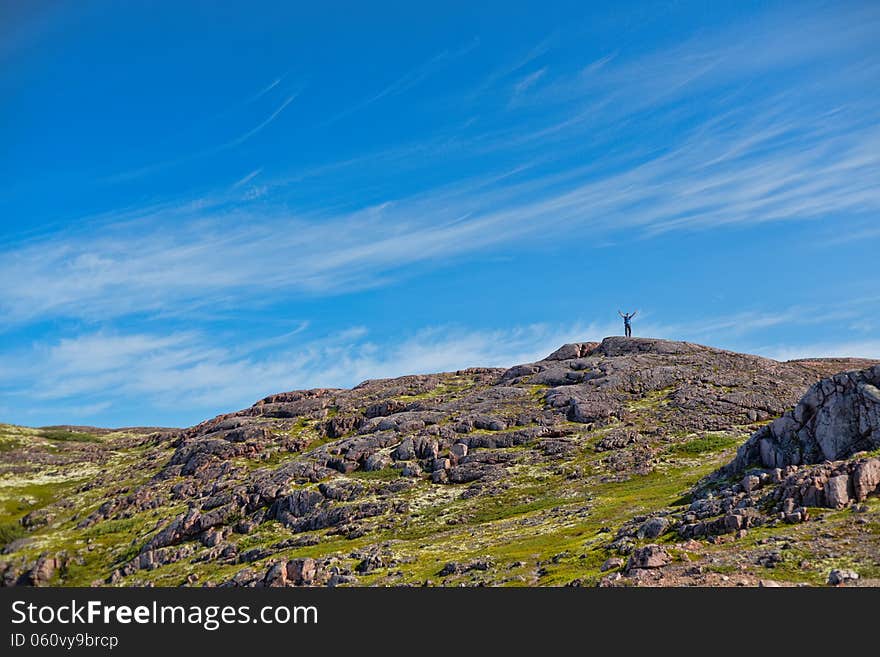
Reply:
x=627, y=327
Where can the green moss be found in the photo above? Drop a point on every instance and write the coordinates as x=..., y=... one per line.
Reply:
x=64, y=435
x=385, y=474
x=706, y=443
x=545, y=521
x=111, y=527
x=454, y=386
x=652, y=400
x=9, y=444
x=498, y=509
x=9, y=531
x=18, y=501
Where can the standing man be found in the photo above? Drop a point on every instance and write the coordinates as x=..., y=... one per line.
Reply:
x=626, y=319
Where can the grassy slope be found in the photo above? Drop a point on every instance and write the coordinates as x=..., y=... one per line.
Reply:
x=545, y=524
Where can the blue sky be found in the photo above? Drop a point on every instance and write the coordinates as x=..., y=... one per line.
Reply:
x=201, y=205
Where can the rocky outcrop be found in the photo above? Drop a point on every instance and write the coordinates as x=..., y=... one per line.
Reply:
x=764, y=497
x=837, y=418
x=832, y=485
x=39, y=573
x=809, y=457
x=778, y=495
x=573, y=350
x=483, y=449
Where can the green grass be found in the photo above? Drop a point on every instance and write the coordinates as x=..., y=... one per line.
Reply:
x=533, y=521
x=533, y=515
x=13, y=437
x=9, y=444
x=64, y=435
x=111, y=527
x=497, y=509
x=652, y=400
x=385, y=474
x=454, y=386
x=9, y=531
x=15, y=502
x=57, y=487
x=710, y=442
x=553, y=519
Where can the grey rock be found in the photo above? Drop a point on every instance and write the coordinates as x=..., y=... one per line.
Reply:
x=384, y=408
x=592, y=408
x=405, y=451
x=43, y=570
x=750, y=483
x=837, y=493
x=836, y=418
x=610, y=564
x=610, y=580
x=276, y=576
x=287, y=458
x=573, y=350
x=618, y=439
x=301, y=571
x=451, y=568
x=370, y=563
x=653, y=528
x=650, y=556
x=440, y=464
x=376, y=462
x=866, y=479
x=426, y=447
x=838, y=577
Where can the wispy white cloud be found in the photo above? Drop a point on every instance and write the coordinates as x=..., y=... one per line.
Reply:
x=163, y=371
x=254, y=192
x=156, y=167
x=186, y=374
x=506, y=70
x=527, y=82
x=841, y=349
x=61, y=413
x=759, y=158
x=269, y=87
x=731, y=170
x=260, y=126
x=406, y=81
x=597, y=65
x=770, y=43
x=823, y=53
x=244, y=180
x=863, y=234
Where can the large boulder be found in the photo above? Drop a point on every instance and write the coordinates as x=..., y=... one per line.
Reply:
x=835, y=419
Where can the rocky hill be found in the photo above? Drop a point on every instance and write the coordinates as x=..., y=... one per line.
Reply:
x=611, y=463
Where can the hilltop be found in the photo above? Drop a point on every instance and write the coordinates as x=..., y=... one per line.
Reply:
x=611, y=463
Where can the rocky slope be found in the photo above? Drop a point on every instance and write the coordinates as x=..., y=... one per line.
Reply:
x=822, y=454
x=601, y=464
